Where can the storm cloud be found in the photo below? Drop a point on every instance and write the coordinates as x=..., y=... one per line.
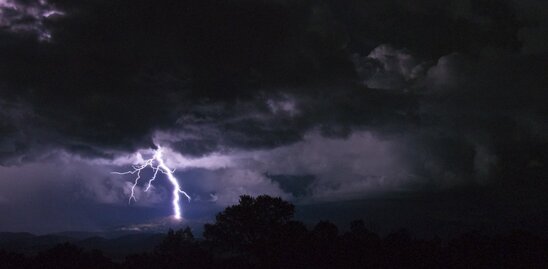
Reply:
x=352, y=97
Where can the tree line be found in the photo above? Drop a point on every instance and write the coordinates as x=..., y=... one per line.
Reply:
x=260, y=232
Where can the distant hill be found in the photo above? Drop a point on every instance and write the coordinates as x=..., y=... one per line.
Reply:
x=114, y=245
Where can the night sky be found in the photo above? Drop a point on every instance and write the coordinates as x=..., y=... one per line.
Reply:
x=427, y=114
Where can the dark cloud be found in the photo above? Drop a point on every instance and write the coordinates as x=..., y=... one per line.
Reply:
x=114, y=73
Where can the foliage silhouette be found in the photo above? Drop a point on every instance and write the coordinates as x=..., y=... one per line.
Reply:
x=255, y=229
x=251, y=222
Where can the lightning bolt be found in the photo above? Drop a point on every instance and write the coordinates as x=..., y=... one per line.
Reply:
x=157, y=164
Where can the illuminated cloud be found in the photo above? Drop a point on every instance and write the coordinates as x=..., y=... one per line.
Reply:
x=388, y=68
x=28, y=17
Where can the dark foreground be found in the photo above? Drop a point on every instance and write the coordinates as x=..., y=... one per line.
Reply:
x=261, y=233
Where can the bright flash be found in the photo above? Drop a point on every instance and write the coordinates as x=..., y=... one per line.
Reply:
x=157, y=164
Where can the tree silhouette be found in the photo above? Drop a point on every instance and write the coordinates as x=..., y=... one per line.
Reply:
x=179, y=249
x=174, y=241
x=251, y=222
x=325, y=245
x=12, y=260
x=61, y=256
x=254, y=229
x=362, y=248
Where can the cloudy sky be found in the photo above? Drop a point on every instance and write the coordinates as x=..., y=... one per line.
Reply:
x=393, y=111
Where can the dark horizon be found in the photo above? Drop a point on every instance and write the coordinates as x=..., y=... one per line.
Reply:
x=261, y=232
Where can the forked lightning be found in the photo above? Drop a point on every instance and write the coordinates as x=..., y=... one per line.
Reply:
x=157, y=164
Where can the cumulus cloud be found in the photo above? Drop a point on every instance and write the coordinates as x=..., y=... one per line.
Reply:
x=283, y=105
x=388, y=68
